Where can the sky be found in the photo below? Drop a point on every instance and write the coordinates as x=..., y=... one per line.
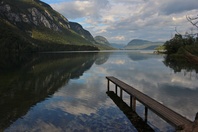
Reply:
x=121, y=21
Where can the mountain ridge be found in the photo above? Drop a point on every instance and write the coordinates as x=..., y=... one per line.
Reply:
x=138, y=44
x=101, y=40
x=41, y=28
x=80, y=30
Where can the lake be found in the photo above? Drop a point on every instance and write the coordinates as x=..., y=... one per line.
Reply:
x=66, y=91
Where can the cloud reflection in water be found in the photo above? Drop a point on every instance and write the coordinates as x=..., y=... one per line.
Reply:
x=82, y=103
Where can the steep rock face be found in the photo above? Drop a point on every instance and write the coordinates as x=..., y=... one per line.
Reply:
x=32, y=25
x=33, y=14
x=101, y=40
x=80, y=30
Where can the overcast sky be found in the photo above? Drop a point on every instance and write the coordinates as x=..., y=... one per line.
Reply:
x=121, y=21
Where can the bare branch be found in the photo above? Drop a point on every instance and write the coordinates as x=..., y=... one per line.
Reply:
x=177, y=31
x=192, y=21
x=193, y=18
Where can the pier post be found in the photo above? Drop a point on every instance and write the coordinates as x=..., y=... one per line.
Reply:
x=120, y=93
x=131, y=101
x=134, y=103
x=108, y=85
x=116, y=89
x=196, y=117
x=146, y=114
x=173, y=118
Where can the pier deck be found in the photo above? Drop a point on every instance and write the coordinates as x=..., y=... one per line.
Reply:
x=164, y=112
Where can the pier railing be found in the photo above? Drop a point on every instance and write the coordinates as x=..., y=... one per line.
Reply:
x=170, y=116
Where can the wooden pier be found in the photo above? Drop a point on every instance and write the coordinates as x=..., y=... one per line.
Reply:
x=176, y=120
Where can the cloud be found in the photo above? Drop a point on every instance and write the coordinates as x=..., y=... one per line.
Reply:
x=144, y=19
x=118, y=38
x=177, y=6
x=80, y=8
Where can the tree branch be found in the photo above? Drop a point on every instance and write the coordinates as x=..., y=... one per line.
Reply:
x=191, y=20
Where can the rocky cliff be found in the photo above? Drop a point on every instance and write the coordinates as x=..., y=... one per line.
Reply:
x=38, y=26
x=29, y=14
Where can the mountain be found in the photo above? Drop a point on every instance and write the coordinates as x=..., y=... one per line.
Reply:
x=80, y=30
x=101, y=40
x=117, y=46
x=103, y=43
x=32, y=25
x=138, y=44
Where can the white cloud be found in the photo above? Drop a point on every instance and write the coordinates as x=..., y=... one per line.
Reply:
x=145, y=19
x=118, y=38
x=177, y=6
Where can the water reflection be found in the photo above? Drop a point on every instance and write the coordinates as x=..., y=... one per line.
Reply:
x=35, y=80
x=137, y=121
x=102, y=58
x=178, y=64
x=137, y=56
x=66, y=92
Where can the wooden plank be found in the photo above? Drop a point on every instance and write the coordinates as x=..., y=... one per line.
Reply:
x=164, y=112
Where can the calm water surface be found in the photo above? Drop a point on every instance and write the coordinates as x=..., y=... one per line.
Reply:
x=67, y=91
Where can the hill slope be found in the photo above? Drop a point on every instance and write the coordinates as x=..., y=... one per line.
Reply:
x=81, y=31
x=138, y=44
x=38, y=27
x=101, y=40
x=103, y=43
x=117, y=45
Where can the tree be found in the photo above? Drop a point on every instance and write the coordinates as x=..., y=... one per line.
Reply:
x=173, y=45
x=193, y=20
x=182, y=41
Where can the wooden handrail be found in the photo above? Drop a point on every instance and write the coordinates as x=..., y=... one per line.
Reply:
x=173, y=118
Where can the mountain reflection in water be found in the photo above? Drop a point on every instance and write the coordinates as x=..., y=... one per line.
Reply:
x=67, y=91
x=37, y=80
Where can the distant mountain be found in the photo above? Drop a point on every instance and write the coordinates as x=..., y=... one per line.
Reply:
x=117, y=46
x=101, y=40
x=32, y=25
x=103, y=43
x=138, y=44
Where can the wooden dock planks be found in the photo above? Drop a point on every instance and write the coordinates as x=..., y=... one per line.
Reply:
x=164, y=112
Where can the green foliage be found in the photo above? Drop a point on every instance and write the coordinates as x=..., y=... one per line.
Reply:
x=178, y=43
x=64, y=37
x=104, y=47
x=13, y=40
x=193, y=49
x=160, y=48
x=179, y=62
x=28, y=37
x=173, y=45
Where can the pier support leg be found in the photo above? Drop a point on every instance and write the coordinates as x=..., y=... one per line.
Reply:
x=116, y=89
x=146, y=114
x=108, y=87
x=131, y=98
x=120, y=93
x=134, y=103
